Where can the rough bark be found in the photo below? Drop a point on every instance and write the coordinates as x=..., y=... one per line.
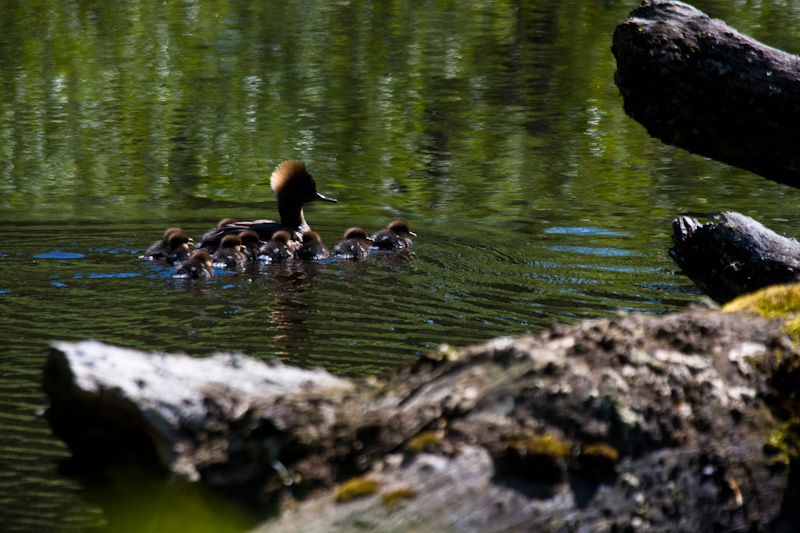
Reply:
x=733, y=255
x=698, y=84
x=679, y=423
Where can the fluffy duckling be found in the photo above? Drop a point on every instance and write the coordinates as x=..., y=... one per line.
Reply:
x=312, y=247
x=394, y=236
x=229, y=255
x=250, y=244
x=278, y=248
x=198, y=266
x=173, y=248
x=354, y=246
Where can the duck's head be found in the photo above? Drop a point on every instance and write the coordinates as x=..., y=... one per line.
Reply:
x=249, y=238
x=356, y=233
x=400, y=227
x=201, y=258
x=292, y=183
x=282, y=237
x=311, y=237
x=231, y=242
x=178, y=239
x=169, y=231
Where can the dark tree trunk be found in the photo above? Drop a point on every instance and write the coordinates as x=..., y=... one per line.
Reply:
x=698, y=84
x=734, y=255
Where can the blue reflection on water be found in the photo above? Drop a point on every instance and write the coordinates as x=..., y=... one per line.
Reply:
x=94, y=275
x=59, y=255
x=607, y=252
x=583, y=231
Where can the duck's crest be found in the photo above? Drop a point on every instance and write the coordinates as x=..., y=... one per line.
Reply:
x=294, y=174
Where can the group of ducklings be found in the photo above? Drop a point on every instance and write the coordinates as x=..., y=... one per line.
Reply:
x=236, y=250
x=232, y=244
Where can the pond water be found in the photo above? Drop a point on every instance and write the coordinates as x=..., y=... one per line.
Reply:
x=493, y=128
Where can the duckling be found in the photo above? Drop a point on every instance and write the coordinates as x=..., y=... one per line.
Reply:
x=312, y=247
x=354, y=246
x=198, y=266
x=294, y=187
x=173, y=248
x=250, y=244
x=394, y=236
x=277, y=248
x=229, y=255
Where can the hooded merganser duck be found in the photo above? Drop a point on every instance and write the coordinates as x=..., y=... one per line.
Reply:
x=354, y=246
x=395, y=235
x=229, y=255
x=294, y=187
x=250, y=244
x=198, y=266
x=173, y=248
x=277, y=248
x=312, y=247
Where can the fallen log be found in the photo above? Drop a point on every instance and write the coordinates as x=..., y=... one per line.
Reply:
x=698, y=84
x=676, y=423
x=733, y=255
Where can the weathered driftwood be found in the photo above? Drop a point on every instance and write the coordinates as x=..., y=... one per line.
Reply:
x=675, y=423
x=696, y=83
x=733, y=255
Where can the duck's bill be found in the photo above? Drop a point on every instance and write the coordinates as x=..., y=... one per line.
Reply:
x=412, y=233
x=321, y=198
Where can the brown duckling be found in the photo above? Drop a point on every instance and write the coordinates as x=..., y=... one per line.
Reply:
x=160, y=248
x=294, y=187
x=198, y=266
x=312, y=247
x=229, y=255
x=278, y=248
x=250, y=244
x=394, y=236
x=173, y=248
x=354, y=246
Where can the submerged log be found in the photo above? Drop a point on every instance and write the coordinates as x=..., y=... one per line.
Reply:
x=733, y=255
x=698, y=84
x=674, y=423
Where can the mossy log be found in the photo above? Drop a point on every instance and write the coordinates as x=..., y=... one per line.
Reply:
x=698, y=84
x=687, y=422
x=733, y=255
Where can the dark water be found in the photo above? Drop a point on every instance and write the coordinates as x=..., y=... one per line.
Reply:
x=495, y=129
